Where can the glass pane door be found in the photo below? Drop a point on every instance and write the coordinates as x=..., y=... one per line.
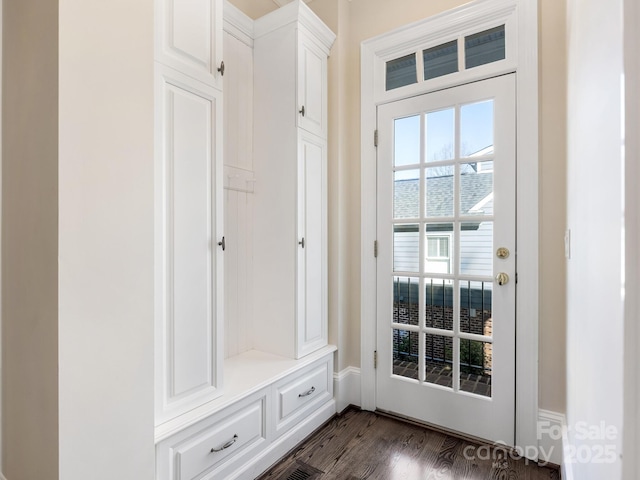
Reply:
x=444, y=160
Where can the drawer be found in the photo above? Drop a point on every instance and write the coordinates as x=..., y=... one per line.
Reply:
x=214, y=443
x=296, y=397
x=302, y=391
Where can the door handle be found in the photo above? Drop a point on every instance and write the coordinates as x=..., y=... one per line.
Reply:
x=302, y=110
x=502, y=278
x=222, y=244
x=301, y=242
x=226, y=445
x=307, y=393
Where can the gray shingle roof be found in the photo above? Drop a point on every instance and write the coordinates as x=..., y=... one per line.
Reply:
x=475, y=187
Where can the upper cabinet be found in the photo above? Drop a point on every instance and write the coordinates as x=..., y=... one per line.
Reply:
x=312, y=85
x=291, y=48
x=189, y=38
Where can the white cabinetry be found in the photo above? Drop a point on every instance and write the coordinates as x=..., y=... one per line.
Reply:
x=188, y=207
x=312, y=84
x=270, y=404
x=311, y=291
x=291, y=46
x=278, y=381
x=189, y=38
x=187, y=258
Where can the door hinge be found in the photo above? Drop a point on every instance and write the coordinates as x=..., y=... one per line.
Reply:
x=375, y=248
x=375, y=359
x=375, y=138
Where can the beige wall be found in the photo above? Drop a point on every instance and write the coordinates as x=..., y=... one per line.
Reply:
x=553, y=204
x=30, y=240
x=358, y=20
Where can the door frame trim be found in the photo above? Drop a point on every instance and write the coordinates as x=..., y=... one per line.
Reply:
x=523, y=15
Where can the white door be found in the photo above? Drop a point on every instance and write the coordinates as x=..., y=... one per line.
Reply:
x=188, y=257
x=446, y=230
x=312, y=90
x=312, y=292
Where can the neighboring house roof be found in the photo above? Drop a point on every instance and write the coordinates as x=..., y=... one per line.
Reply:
x=475, y=188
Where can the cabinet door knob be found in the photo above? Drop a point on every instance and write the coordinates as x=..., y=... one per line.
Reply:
x=222, y=244
x=221, y=68
x=301, y=242
x=302, y=110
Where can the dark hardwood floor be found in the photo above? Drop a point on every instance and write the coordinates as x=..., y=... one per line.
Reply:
x=366, y=445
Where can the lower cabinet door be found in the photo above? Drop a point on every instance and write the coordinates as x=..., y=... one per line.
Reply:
x=210, y=449
x=311, y=299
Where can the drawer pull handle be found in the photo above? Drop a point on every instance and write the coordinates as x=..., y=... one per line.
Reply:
x=226, y=445
x=306, y=394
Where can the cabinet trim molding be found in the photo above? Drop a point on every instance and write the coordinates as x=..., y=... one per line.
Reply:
x=295, y=12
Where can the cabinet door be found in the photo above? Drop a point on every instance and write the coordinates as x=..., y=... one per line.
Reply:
x=188, y=260
x=189, y=38
x=311, y=322
x=312, y=86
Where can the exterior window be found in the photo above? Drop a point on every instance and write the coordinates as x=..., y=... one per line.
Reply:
x=440, y=60
x=484, y=47
x=476, y=49
x=438, y=253
x=401, y=72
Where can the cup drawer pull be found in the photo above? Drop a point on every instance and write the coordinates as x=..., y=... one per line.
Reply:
x=226, y=445
x=307, y=393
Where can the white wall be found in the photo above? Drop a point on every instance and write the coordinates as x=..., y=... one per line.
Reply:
x=105, y=240
x=595, y=217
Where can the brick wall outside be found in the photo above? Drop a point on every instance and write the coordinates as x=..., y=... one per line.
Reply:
x=439, y=348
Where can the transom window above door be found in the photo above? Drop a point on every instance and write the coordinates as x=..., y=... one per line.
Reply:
x=463, y=53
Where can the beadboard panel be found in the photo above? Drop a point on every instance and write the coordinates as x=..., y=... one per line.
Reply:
x=238, y=103
x=238, y=195
x=238, y=271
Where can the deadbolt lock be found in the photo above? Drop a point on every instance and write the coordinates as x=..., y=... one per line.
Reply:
x=502, y=278
x=502, y=253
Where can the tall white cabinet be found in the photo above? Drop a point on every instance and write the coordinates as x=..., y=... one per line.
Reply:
x=188, y=205
x=290, y=158
x=233, y=414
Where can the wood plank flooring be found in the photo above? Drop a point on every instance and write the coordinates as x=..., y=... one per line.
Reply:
x=366, y=445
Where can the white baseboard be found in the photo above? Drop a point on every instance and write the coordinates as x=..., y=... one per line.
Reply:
x=551, y=425
x=346, y=388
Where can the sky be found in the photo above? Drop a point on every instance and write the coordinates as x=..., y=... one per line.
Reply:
x=476, y=133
